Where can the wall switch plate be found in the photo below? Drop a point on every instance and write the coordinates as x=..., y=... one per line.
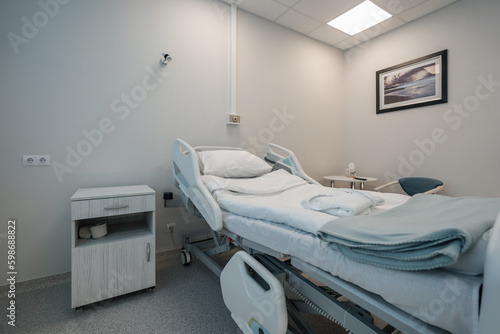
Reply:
x=36, y=160
x=233, y=119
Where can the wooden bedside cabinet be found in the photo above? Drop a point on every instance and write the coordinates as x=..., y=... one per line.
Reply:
x=122, y=261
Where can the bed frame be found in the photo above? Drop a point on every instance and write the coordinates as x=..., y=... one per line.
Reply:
x=355, y=315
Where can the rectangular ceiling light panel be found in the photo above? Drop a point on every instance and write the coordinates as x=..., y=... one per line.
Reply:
x=360, y=18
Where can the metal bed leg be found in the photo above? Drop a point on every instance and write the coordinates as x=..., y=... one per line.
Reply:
x=204, y=255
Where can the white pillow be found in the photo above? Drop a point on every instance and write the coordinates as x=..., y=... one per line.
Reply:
x=232, y=163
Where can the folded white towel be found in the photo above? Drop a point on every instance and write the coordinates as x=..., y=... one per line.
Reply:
x=343, y=202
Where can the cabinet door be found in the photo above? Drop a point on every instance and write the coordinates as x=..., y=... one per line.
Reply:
x=89, y=274
x=107, y=270
x=131, y=265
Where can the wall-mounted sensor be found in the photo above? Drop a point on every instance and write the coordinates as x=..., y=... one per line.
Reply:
x=166, y=58
x=233, y=119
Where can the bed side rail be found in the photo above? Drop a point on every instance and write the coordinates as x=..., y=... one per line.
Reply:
x=490, y=302
x=187, y=177
x=280, y=155
x=217, y=148
x=254, y=296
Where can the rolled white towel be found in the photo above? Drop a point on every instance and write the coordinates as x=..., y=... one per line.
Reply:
x=84, y=232
x=99, y=230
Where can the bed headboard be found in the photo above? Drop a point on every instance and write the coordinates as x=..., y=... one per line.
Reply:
x=187, y=178
x=186, y=172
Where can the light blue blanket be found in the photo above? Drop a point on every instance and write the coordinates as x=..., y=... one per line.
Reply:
x=427, y=232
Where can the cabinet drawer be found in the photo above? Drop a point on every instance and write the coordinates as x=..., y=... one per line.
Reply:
x=111, y=206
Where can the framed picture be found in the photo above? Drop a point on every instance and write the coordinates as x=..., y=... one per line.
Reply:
x=416, y=83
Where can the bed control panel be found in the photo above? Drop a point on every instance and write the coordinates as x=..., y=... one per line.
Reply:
x=233, y=119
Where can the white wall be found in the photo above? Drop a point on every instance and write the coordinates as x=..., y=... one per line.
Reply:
x=283, y=73
x=467, y=154
x=76, y=71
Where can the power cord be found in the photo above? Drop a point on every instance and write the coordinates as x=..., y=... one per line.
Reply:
x=171, y=229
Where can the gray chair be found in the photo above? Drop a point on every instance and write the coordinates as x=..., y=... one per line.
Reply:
x=416, y=185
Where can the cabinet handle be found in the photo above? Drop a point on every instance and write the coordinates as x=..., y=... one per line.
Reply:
x=114, y=207
x=148, y=251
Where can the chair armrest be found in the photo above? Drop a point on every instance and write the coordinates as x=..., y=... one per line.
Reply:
x=435, y=190
x=386, y=185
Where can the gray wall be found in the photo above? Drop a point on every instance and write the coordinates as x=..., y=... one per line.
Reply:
x=70, y=69
x=462, y=148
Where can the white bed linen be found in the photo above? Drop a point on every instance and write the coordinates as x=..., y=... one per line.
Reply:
x=439, y=297
x=279, y=197
x=277, y=181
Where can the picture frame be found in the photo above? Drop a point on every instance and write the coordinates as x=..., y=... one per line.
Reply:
x=415, y=83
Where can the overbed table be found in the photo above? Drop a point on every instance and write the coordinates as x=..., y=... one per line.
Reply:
x=341, y=178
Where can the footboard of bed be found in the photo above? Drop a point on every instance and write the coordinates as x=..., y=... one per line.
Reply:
x=490, y=302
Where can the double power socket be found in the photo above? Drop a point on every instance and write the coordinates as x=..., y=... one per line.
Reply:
x=36, y=160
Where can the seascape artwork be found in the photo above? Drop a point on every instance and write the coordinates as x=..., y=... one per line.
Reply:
x=411, y=84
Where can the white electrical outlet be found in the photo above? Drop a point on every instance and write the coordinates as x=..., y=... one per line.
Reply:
x=44, y=160
x=36, y=160
x=28, y=160
x=171, y=226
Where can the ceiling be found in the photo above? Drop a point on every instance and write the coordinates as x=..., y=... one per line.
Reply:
x=310, y=17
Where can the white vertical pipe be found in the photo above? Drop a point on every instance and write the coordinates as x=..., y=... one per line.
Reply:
x=232, y=79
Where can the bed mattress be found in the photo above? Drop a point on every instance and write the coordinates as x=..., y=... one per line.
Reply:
x=439, y=297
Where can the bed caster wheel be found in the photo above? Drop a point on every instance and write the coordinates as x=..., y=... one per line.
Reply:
x=185, y=257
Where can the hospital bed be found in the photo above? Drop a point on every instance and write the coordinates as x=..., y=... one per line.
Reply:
x=254, y=281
